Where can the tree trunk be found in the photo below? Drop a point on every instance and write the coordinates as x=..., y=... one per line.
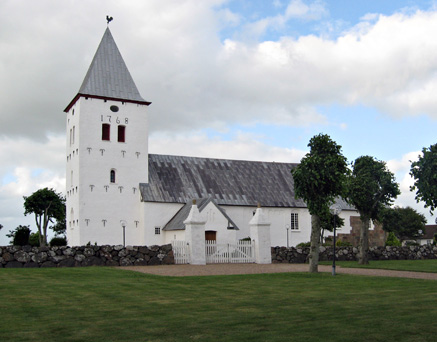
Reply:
x=363, y=246
x=315, y=242
x=38, y=224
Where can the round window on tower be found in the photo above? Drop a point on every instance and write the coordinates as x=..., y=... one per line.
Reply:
x=114, y=108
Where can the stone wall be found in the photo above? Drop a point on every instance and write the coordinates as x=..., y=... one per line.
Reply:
x=27, y=256
x=300, y=255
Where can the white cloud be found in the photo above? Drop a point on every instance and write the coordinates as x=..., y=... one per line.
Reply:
x=313, y=11
x=243, y=146
x=25, y=167
x=401, y=169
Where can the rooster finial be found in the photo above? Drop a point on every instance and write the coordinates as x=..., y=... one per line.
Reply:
x=109, y=19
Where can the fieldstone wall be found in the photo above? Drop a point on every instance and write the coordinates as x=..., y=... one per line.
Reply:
x=27, y=256
x=300, y=255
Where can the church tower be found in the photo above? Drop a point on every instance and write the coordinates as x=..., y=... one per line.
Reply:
x=107, y=153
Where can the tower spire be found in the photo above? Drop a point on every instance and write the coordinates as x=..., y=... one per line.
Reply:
x=108, y=76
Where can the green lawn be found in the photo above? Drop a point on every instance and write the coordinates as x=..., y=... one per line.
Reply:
x=107, y=304
x=399, y=265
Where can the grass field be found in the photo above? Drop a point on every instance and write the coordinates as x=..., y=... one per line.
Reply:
x=399, y=265
x=107, y=304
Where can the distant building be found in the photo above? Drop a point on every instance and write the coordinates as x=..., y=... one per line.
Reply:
x=116, y=189
x=428, y=235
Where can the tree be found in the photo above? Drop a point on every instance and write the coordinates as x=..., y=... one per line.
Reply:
x=424, y=172
x=47, y=205
x=318, y=180
x=371, y=187
x=327, y=223
x=19, y=236
x=405, y=223
x=60, y=227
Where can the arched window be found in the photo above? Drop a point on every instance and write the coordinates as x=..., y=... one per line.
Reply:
x=112, y=176
x=106, y=132
x=121, y=133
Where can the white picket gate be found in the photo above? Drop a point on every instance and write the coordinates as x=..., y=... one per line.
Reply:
x=225, y=253
x=216, y=253
x=181, y=252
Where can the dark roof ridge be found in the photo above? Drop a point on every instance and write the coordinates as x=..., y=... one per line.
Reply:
x=222, y=159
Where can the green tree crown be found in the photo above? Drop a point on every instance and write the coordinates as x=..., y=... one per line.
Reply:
x=424, y=172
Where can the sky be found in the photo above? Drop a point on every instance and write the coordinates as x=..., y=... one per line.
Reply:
x=251, y=80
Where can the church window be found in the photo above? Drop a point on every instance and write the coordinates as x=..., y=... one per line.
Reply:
x=121, y=133
x=74, y=132
x=157, y=230
x=294, y=221
x=112, y=176
x=106, y=131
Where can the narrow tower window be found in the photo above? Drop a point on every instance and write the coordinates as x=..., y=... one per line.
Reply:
x=112, y=176
x=106, y=130
x=121, y=133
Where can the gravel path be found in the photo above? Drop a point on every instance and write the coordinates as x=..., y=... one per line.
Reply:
x=228, y=269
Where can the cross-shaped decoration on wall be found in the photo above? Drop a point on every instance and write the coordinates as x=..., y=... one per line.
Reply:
x=121, y=189
x=106, y=187
x=138, y=154
x=136, y=223
x=123, y=152
x=91, y=187
x=134, y=189
x=87, y=221
x=102, y=150
x=89, y=150
x=104, y=223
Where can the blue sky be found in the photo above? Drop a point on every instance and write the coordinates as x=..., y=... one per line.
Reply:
x=235, y=79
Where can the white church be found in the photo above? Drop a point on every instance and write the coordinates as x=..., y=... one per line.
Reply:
x=119, y=193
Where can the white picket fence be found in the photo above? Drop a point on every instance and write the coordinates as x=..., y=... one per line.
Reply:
x=216, y=253
x=181, y=252
x=225, y=253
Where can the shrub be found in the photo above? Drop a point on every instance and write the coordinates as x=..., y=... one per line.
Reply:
x=20, y=236
x=392, y=240
x=34, y=239
x=304, y=244
x=58, y=241
x=341, y=243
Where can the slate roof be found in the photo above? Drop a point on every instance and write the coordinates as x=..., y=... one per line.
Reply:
x=177, y=222
x=430, y=230
x=179, y=179
x=108, y=76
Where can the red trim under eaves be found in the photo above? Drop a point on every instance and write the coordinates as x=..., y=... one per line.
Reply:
x=102, y=98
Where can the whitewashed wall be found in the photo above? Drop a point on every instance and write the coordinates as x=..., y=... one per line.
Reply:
x=157, y=215
x=215, y=221
x=279, y=218
x=99, y=205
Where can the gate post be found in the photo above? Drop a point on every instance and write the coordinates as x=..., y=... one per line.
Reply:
x=195, y=235
x=260, y=233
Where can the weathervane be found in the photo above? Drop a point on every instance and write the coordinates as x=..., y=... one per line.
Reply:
x=109, y=19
